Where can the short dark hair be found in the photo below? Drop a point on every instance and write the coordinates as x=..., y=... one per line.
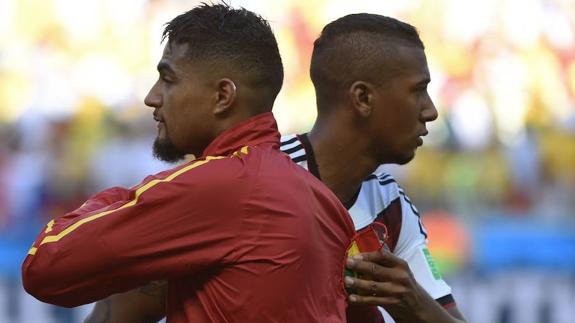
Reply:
x=227, y=39
x=358, y=47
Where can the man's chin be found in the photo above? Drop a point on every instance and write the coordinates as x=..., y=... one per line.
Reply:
x=165, y=150
x=402, y=160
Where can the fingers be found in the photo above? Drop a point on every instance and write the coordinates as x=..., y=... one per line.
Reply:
x=370, y=269
x=373, y=300
x=379, y=284
x=370, y=292
x=364, y=268
x=375, y=264
x=374, y=288
x=381, y=257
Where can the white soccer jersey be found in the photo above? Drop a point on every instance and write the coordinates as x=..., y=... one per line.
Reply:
x=381, y=200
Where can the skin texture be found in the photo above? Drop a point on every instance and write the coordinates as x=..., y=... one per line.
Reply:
x=399, y=108
x=192, y=105
x=181, y=99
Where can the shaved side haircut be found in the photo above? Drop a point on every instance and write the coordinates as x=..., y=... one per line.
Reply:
x=358, y=47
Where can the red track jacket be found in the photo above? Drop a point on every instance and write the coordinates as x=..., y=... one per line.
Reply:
x=241, y=235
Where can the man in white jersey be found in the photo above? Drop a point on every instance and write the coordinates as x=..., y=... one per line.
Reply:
x=370, y=74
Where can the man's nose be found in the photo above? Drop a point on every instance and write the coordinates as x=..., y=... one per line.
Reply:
x=153, y=98
x=429, y=112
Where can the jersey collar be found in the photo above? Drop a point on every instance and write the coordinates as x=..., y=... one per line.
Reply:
x=260, y=129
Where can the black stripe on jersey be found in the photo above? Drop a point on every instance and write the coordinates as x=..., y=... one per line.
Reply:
x=384, y=176
x=370, y=177
x=381, y=180
x=402, y=194
x=293, y=149
x=389, y=181
x=446, y=301
x=406, y=199
x=299, y=159
x=287, y=142
x=409, y=202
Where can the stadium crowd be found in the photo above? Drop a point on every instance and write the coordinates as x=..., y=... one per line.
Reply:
x=72, y=120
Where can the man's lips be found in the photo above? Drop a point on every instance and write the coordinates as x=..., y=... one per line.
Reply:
x=420, y=137
x=419, y=141
x=160, y=122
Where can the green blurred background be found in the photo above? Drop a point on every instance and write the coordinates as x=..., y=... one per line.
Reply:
x=495, y=180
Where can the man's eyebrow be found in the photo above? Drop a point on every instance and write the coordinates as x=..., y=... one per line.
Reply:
x=164, y=67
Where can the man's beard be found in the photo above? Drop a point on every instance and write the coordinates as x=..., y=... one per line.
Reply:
x=165, y=150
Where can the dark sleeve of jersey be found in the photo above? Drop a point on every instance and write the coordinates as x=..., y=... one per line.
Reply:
x=446, y=301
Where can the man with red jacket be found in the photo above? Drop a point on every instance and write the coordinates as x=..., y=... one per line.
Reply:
x=241, y=234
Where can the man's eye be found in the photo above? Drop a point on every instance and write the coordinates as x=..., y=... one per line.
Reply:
x=165, y=79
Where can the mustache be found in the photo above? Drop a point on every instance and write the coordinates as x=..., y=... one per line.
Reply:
x=158, y=117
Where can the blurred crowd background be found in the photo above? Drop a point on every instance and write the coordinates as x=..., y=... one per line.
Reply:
x=495, y=180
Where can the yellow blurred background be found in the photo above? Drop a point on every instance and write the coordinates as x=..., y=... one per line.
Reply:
x=495, y=180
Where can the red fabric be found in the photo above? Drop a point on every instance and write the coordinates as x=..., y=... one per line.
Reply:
x=368, y=239
x=364, y=314
x=251, y=237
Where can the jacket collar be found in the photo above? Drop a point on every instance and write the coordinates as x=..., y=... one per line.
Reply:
x=256, y=130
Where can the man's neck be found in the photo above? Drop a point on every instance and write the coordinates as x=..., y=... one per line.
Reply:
x=342, y=159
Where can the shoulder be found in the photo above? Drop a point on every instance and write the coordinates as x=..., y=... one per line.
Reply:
x=385, y=190
x=202, y=175
x=381, y=199
x=383, y=187
x=378, y=198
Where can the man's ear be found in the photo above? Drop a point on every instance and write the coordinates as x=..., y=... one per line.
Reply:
x=361, y=94
x=226, y=92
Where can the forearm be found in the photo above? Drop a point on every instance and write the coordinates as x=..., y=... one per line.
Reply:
x=142, y=305
x=100, y=313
